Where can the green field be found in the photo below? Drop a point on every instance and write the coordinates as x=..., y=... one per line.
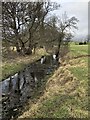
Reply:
x=77, y=50
x=66, y=93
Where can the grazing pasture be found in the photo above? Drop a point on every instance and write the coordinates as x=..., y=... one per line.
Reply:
x=77, y=50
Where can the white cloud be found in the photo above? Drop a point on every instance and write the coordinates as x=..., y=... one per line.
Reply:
x=78, y=9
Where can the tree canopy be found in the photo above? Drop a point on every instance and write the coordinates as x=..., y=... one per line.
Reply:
x=25, y=25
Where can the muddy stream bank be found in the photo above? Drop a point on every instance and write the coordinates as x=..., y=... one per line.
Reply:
x=19, y=88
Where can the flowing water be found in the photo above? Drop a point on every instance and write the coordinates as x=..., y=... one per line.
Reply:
x=20, y=87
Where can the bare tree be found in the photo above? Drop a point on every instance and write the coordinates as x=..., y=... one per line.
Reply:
x=37, y=24
x=22, y=20
x=12, y=13
x=65, y=26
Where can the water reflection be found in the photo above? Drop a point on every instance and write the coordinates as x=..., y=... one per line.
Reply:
x=20, y=87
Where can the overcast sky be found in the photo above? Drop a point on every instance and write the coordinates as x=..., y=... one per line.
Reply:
x=79, y=9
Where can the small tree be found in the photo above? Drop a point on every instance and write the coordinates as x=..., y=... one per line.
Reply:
x=65, y=25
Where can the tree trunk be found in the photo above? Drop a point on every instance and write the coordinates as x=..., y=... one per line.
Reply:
x=29, y=50
x=59, y=45
x=34, y=48
x=18, y=48
x=23, y=49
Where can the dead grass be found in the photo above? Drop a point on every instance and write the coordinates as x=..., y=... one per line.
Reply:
x=61, y=83
x=66, y=93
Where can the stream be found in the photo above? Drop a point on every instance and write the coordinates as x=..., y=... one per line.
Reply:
x=17, y=89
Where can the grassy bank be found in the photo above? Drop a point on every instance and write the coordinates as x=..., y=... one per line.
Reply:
x=66, y=93
x=11, y=66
